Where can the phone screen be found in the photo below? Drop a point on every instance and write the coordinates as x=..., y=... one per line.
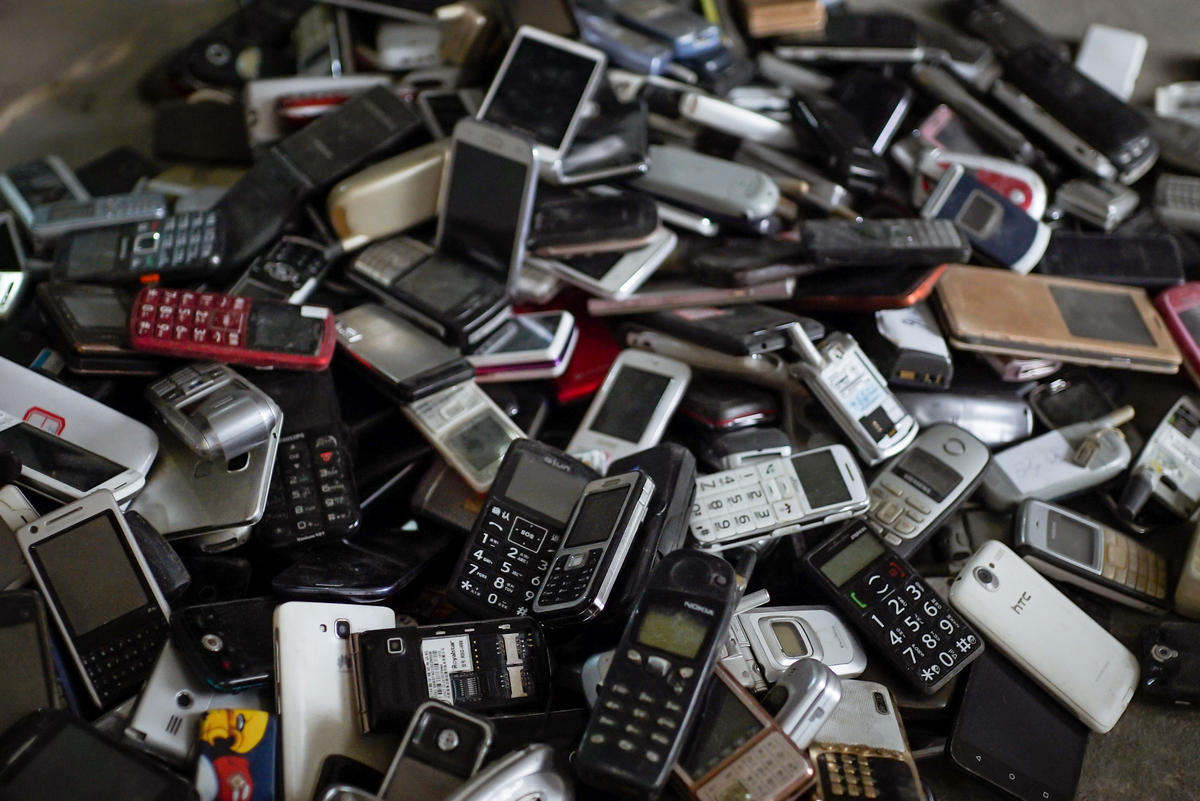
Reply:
x=521, y=334
x=930, y=475
x=283, y=328
x=539, y=486
x=481, y=226
x=597, y=517
x=1191, y=321
x=38, y=183
x=25, y=688
x=631, y=401
x=1107, y=316
x=482, y=442
x=1072, y=539
x=724, y=725
x=820, y=479
x=96, y=311
x=52, y=456
x=540, y=91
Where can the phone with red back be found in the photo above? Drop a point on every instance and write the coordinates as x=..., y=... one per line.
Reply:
x=1180, y=309
x=232, y=328
x=866, y=290
x=595, y=352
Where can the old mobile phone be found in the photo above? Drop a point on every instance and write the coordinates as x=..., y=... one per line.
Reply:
x=1079, y=103
x=518, y=531
x=742, y=261
x=908, y=347
x=442, y=109
x=611, y=145
x=489, y=666
x=1013, y=735
x=227, y=643
x=681, y=293
x=526, y=347
x=742, y=330
x=216, y=412
x=53, y=220
x=873, y=37
x=572, y=223
x=1178, y=142
x=897, y=242
x=173, y=249
x=467, y=428
x=232, y=328
x=712, y=185
x=1104, y=204
x=1166, y=467
x=866, y=290
x=893, y=607
x=408, y=362
x=542, y=68
x=997, y=229
x=1149, y=261
x=737, y=748
x=726, y=450
x=912, y=496
x=863, y=744
x=25, y=656
x=688, y=33
x=113, y=623
x=838, y=142
x=992, y=418
x=879, y=104
x=613, y=275
x=765, y=641
x=633, y=406
x=1021, y=185
x=657, y=680
x=1074, y=549
x=1180, y=309
x=595, y=548
x=1002, y=26
x=54, y=754
x=851, y=389
x=1177, y=201
x=625, y=47
x=1055, y=318
x=12, y=265
x=38, y=183
x=60, y=469
x=1170, y=669
x=802, y=698
x=777, y=497
x=722, y=405
x=1087, y=669
x=441, y=749
x=288, y=271
x=1074, y=397
x=15, y=511
x=535, y=771
x=946, y=89
x=92, y=323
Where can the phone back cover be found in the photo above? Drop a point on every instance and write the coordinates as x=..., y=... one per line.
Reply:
x=390, y=671
x=856, y=720
x=236, y=755
x=1066, y=652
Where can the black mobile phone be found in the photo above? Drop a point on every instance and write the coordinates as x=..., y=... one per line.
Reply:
x=227, y=643
x=743, y=261
x=610, y=145
x=54, y=755
x=1013, y=735
x=742, y=330
x=1170, y=657
x=90, y=324
x=519, y=529
x=836, y=139
x=570, y=223
x=397, y=670
x=875, y=30
x=1150, y=261
x=652, y=694
x=722, y=405
x=895, y=243
x=177, y=248
x=312, y=495
x=289, y=270
x=1003, y=27
x=116, y=172
x=25, y=658
x=867, y=290
x=169, y=572
x=725, y=450
x=878, y=103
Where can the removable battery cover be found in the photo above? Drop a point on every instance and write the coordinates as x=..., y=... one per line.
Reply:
x=497, y=664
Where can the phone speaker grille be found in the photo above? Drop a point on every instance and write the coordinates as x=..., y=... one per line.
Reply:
x=174, y=724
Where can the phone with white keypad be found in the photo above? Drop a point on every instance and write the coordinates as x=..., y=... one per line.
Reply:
x=777, y=497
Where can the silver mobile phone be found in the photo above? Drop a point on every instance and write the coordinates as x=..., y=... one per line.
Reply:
x=55, y=219
x=712, y=184
x=802, y=698
x=992, y=419
x=1101, y=203
x=36, y=183
x=1177, y=201
x=442, y=748
x=851, y=389
x=613, y=275
x=15, y=511
x=533, y=772
x=770, y=639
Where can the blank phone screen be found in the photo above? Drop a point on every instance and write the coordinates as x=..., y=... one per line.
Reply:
x=630, y=404
x=483, y=208
x=540, y=91
x=24, y=674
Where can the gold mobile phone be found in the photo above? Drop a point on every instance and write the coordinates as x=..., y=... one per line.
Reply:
x=738, y=751
x=1068, y=319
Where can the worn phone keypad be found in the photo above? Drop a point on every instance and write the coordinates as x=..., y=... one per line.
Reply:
x=512, y=555
x=311, y=495
x=203, y=318
x=1134, y=565
x=180, y=241
x=746, y=500
x=122, y=665
x=859, y=773
x=570, y=577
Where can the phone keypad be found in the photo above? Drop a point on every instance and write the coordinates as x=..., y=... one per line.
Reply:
x=1134, y=565
x=179, y=241
x=1178, y=192
x=201, y=318
x=747, y=500
x=121, y=666
x=855, y=774
x=311, y=495
x=508, y=561
x=570, y=577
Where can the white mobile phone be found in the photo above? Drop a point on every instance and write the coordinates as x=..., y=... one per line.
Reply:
x=1054, y=641
x=634, y=405
x=467, y=428
x=1112, y=57
x=314, y=690
x=60, y=469
x=613, y=275
x=734, y=120
x=542, y=89
x=715, y=185
x=526, y=347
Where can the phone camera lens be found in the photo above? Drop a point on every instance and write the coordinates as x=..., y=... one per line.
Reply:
x=211, y=642
x=343, y=629
x=447, y=739
x=987, y=578
x=184, y=699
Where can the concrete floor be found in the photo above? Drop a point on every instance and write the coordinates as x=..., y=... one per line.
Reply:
x=68, y=86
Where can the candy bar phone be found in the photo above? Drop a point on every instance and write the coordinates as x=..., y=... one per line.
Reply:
x=15, y=512
x=742, y=330
x=770, y=639
x=1170, y=654
x=802, y=698
x=777, y=497
x=1059, y=463
x=595, y=548
x=312, y=649
x=518, y=530
x=657, y=680
x=893, y=607
x=100, y=592
x=174, y=249
x=738, y=749
x=1166, y=469
x=441, y=749
x=1073, y=549
x=59, y=469
x=712, y=185
x=914, y=495
x=467, y=428
x=526, y=347
x=227, y=643
x=1149, y=261
x=898, y=242
x=216, y=412
x=851, y=389
x=26, y=658
x=232, y=328
x=38, y=183
x=992, y=418
x=92, y=322
x=53, y=220
x=289, y=271
x=1019, y=612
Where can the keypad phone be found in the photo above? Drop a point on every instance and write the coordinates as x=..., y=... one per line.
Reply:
x=851, y=771
x=289, y=271
x=55, y=219
x=177, y=248
x=232, y=328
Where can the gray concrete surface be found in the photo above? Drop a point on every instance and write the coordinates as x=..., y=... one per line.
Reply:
x=67, y=85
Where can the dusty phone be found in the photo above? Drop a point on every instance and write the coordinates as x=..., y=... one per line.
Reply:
x=1149, y=261
x=178, y=248
x=288, y=271
x=92, y=322
x=37, y=183
x=802, y=698
x=1166, y=469
x=526, y=347
x=441, y=749
x=25, y=657
x=227, y=643
x=895, y=242
x=1170, y=669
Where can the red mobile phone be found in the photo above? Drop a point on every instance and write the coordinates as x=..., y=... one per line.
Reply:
x=232, y=328
x=865, y=290
x=1180, y=310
